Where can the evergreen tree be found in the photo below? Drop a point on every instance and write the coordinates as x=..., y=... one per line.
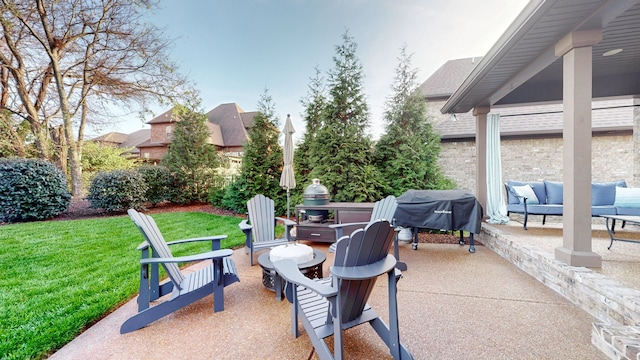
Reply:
x=263, y=158
x=191, y=157
x=407, y=154
x=341, y=150
x=314, y=112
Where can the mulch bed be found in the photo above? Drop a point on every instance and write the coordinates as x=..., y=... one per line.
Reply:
x=79, y=209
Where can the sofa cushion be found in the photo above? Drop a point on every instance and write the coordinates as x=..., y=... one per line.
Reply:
x=527, y=192
x=554, y=192
x=627, y=197
x=604, y=193
x=604, y=210
x=632, y=211
x=545, y=209
x=537, y=186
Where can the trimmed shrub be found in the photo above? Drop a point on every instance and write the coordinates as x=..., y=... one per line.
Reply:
x=159, y=181
x=31, y=189
x=216, y=195
x=117, y=191
x=234, y=198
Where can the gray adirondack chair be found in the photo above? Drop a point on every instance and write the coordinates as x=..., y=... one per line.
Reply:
x=260, y=226
x=382, y=210
x=184, y=288
x=328, y=306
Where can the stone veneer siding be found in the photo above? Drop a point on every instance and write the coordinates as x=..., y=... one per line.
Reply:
x=538, y=159
x=616, y=306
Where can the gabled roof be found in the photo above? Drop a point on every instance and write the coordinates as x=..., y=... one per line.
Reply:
x=523, y=65
x=248, y=119
x=215, y=134
x=232, y=121
x=165, y=117
x=112, y=137
x=148, y=143
x=443, y=82
x=136, y=138
x=516, y=120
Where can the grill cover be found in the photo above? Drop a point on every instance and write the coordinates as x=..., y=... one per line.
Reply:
x=439, y=210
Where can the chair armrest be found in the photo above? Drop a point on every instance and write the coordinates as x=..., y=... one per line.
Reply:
x=286, y=222
x=364, y=272
x=288, y=270
x=205, y=238
x=191, y=258
x=245, y=226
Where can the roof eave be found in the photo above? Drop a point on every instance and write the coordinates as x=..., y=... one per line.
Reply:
x=504, y=44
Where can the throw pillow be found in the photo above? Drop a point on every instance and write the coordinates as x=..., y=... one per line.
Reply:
x=627, y=197
x=527, y=192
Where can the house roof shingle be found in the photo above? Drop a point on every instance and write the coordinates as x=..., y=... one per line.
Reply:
x=608, y=115
x=539, y=119
x=215, y=134
x=165, y=117
x=448, y=78
x=232, y=121
x=112, y=137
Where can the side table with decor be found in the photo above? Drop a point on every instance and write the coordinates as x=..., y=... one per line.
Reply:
x=309, y=262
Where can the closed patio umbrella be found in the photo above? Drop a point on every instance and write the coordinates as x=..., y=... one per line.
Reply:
x=287, y=179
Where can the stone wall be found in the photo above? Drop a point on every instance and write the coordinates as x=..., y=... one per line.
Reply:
x=616, y=306
x=541, y=159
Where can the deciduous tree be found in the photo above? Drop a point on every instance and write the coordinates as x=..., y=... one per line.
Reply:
x=69, y=60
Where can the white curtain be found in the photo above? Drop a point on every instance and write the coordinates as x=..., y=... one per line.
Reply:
x=496, y=207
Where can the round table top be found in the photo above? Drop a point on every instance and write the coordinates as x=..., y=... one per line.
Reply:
x=318, y=258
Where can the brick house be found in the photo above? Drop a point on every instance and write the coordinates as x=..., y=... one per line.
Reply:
x=228, y=126
x=228, y=131
x=530, y=136
x=580, y=54
x=124, y=141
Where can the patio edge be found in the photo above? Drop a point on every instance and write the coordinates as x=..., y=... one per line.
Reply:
x=615, y=305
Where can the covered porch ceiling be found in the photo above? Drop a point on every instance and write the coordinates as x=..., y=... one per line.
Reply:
x=522, y=67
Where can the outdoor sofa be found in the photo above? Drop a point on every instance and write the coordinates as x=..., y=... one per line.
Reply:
x=545, y=198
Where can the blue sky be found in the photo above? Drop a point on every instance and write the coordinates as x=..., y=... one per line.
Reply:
x=235, y=49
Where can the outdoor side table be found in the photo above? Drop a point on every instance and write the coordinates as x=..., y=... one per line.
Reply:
x=272, y=281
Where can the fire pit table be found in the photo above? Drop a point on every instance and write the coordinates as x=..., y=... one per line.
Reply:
x=440, y=210
x=270, y=278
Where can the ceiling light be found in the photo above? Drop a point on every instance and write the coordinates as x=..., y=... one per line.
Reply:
x=612, y=52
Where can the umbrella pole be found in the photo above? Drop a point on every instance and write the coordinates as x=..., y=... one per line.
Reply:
x=287, y=203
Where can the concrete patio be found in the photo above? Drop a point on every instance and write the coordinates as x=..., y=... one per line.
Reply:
x=453, y=305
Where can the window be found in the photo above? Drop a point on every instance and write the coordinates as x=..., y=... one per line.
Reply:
x=168, y=132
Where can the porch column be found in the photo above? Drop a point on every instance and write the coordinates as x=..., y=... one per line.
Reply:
x=636, y=143
x=576, y=49
x=481, y=154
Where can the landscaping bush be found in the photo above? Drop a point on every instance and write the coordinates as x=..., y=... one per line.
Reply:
x=216, y=194
x=159, y=181
x=118, y=190
x=234, y=198
x=31, y=189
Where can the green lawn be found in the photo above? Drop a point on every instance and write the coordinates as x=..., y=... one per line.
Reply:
x=59, y=277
